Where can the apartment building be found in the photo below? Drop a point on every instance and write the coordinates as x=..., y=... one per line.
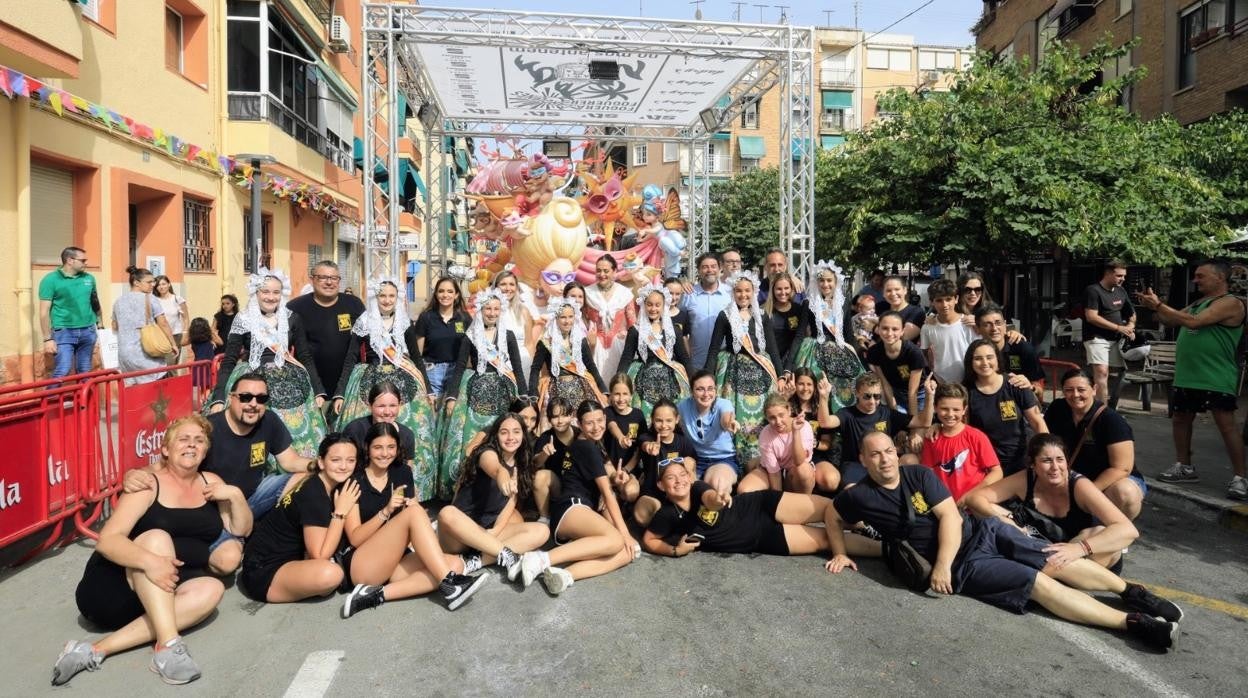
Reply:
x=1195, y=51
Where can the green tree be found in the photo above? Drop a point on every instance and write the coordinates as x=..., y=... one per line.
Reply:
x=1218, y=149
x=745, y=214
x=1013, y=162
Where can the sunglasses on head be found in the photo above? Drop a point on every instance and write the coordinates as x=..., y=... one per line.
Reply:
x=259, y=398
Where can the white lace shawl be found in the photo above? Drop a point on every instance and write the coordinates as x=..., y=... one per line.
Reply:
x=251, y=320
x=647, y=341
x=554, y=339
x=371, y=325
x=740, y=326
x=476, y=333
x=827, y=313
x=608, y=306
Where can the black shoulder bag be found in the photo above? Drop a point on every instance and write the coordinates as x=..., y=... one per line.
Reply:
x=901, y=558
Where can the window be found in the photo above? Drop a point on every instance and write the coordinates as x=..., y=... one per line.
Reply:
x=937, y=60
x=314, y=256
x=748, y=164
x=1115, y=68
x=835, y=70
x=51, y=213
x=1197, y=26
x=877, y=59
x=173, y=40
x=889, y=59
x=1006, y=53
x=749, y=115
x=1046, y=32
x=243, y=52
x=266, y=242
x=196, y=236
x=641, y=154
x=91, y=10
x=671, y=152
x=1124, y=6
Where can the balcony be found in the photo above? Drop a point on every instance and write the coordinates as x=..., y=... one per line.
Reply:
x=255, y=106
x=836, y=77
x=832, y=121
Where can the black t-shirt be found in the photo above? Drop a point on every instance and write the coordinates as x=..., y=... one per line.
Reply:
x=481, y=500
x=632, y=425
x=1022, y=359
x=1114, y=306
x=730, y=530
x=881, y=508
x=441, y=338
x=1000, y=417
x=584, y=466
x=373, y=500
x=681, y=324
x=680, y=448
x=1110, y=428
x=358, y=428
x=855, y=425
x=278, y=537
x=784, y=324
x=240, y=460
x=897, y=371
x=912, y=314
x=328, y=331
x=560, y=460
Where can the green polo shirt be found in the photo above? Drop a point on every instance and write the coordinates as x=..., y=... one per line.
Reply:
x=71, y=299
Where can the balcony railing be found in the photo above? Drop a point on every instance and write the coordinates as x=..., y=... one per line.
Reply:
x=256, y=106
x=836, y=77
x=834, y=121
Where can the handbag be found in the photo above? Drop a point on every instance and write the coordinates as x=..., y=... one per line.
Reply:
x=900, y=557
x=1036, y=523
x=154, y=341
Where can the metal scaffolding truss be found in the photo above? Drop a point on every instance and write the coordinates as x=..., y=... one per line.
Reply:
x=394, y=37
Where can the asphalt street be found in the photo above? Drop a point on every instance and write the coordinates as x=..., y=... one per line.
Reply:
x=702, y=625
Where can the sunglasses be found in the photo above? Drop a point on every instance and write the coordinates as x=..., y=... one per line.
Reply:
x=972, y=289
x=697, y=423
x=668, y=461
x=259, y=398
x=871, y=396
x=554, y=277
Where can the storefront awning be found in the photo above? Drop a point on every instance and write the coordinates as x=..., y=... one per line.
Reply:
x=838, y=99
x=830, y=142
x=721, y=136
x=751, y=147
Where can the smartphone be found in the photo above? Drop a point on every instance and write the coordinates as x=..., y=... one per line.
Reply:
x=399, y=490
x=695, y=538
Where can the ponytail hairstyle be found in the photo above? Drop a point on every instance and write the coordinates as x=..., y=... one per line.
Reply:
x=589, y=407
x=137, y=274
x=524, y=458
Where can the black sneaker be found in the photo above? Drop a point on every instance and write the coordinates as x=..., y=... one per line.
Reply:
x=457, y=588
x=509, y=561
x=361, y=597
x=1154, y=631
x=868, y=531
x=1140, y=599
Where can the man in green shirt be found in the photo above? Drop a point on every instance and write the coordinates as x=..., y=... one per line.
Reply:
x=1206, y=370
x=69, y=313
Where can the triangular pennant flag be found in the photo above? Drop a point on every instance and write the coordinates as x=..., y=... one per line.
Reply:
x=55, y=100
x=159, y=138
x=191, y=151
x=175, y=146
x=141, y=130
x=68, y=101
x=18, y=82
x=80, y=103
x=4, y=83
x=116, y=119
x=32, y=87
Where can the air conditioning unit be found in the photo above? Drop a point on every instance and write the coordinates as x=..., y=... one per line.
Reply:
x=339, y=34
x=931, y=76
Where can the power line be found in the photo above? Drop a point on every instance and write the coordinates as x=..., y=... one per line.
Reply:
x=865, y=39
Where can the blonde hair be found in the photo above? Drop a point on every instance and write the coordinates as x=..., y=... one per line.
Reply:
x=193, y=419
x=558, y=232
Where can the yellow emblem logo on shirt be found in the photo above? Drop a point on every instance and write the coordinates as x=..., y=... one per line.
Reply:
x=793, y=323
x=708, y=516
x=904, y=372
x=920, y=504
x=881, y=426
x=344, y=322
x=1009, y=409
x=632, y=430
x=459, y=326
x=258, y=452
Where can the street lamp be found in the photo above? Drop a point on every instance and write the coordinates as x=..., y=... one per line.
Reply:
x=257, y=221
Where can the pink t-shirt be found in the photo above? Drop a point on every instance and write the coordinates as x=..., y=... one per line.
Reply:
x=961, y=461
x=776, y=449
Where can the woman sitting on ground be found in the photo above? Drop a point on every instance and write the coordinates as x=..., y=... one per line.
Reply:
x=664, y=444
x=785, y=449
x=768, y=522
x=590, y=543
x=384, y=401
x=148, y=578
x=1087, y=523
x=485, y=521
x=393, y=551
x=550, y=454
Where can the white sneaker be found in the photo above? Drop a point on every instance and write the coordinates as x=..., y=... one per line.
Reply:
x=531, y=565
x=1179, y=472
x=556, y=580
x=1238, y=489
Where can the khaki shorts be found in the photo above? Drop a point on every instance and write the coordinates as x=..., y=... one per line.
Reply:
x=1099, y=350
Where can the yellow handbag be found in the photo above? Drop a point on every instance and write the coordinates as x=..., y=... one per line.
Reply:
x=155, y=341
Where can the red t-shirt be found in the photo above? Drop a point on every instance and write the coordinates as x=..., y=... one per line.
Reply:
x=962, y=461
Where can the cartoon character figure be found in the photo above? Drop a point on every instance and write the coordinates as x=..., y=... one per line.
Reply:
x=660, y=218
x=609, y=201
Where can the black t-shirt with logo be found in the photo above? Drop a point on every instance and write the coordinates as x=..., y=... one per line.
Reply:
x=897, y=371
x=732, y=529
x=1114, y=306
x=373, y=500
x=1022, y=358
x=579, y=479
x=441, y=338
x=558, y=461
x=328, y=331
x=241, y=460
x=278, y=537
x=881, y=508
x=1000, y=417
x=785, y=324
x=680, y=448
x=632, y=425
x=1110, y=428
x=855, y=425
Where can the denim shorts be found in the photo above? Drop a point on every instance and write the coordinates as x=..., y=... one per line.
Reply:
x=260, y=502
x=438, y=374
x=705, y=463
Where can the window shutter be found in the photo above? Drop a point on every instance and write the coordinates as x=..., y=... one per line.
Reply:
x=51, y=213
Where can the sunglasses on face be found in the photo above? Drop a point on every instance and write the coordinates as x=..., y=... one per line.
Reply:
x=259, y=398
x=972, y=289
x=554, y=277
x=871, y=396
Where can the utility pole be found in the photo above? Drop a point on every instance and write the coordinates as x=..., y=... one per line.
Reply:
x=737, y=13
x=857, y=8
x=697, y=14
x=784, y=17
x=760, y=11
x=827, y=17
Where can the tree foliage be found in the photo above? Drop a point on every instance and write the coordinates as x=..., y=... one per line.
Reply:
x=745, y=213
x=1015, y=163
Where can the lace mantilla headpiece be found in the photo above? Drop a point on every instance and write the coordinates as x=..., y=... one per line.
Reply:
x=371, y=325
x=476, y=332
x=738, y=325
x=561, y=355
x=263, y=335
x=647, y=341
x=828, y=312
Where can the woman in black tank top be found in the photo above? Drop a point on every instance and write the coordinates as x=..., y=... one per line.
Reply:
x=1091, y=525
x=149, y=578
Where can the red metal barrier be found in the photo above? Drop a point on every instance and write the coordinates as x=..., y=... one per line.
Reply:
x=1053, y=370
x=68, y=442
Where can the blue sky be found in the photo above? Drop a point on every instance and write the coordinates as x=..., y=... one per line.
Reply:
x=939, y=22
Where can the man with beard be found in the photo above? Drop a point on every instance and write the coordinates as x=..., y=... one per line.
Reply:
x=704, y=302
x=328, y=317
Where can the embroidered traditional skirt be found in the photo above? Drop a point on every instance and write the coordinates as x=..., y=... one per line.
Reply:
x=415, y=413
x=838, y=363
x=654, y=380
x=746, y=384
x=481, y=398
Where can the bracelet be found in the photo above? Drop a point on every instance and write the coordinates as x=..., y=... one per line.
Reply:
x=673, y=551
x=384, y=516
x=1087, y=549
x=336, y=515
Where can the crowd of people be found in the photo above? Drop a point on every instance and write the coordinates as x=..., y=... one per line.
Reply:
x=722, y=413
